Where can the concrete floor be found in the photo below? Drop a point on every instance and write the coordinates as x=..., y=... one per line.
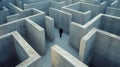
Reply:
x=63, y=42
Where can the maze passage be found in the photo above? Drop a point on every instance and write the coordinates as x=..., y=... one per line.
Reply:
x=59, y=33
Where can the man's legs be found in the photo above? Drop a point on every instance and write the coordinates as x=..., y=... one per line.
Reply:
x=60, y=35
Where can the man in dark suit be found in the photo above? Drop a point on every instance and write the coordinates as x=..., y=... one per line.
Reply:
x=60, y=32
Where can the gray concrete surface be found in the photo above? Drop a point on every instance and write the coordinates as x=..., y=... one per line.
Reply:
x=84, y=12
x=102, y=21
x=100, y=49
x=22, y=14
x=61, y=58
x=3, y=14
x=44, y=6
x=36, y=22
x=67, y=2
x=63, y=43
x=14, y=53
x=49, y=24
x=61, y=18
x=28, y=29
x=113, y=11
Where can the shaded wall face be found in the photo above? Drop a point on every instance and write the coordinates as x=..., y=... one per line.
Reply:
x=118, y=5
x=11, y=53
x=105, y=52
x=111, y=25
x=33, y=1
x=62, y=19
x=27, y=30
x=75, y=7
x=12, y=1
x=67, y=2
x=1, y=7
x=20, y=52
x=94, y=1
x=39, y=19
x=17, y=26
x=8, y=55
x=26, y=13
x=36, y=38
x=43, y=6
x=112, y=11
x=95, y=9
x=49, y=23
x=3, y=15
x=7, y=52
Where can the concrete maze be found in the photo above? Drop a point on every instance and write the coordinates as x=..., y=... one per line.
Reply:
x=29, y=33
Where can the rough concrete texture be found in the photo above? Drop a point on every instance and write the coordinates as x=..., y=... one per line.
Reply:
x=23, y=14
x=113, y=11
x=44, y=6
x=83, y=12
x=102, y=21
x=61, y=58
x=67, y=2
x=100, y=49
x=14, y=53
x=62, y=19
x=110, y=3
x=49, y=24
x=3, y=14
x=88, y=1
x=29, y=28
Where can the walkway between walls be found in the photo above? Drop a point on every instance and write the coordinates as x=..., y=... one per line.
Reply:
x=63, y=42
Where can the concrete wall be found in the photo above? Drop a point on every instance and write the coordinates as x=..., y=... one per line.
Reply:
x=7, y=53
x=67, y=2
x=33, y=56
x=118, y=6
x=33, y=1
x=9, y=27
x=18, y=56
x=110, y=24
x=3, y=14
x=22, y=55
x=103, y=6
x=2, y=3
x=57, y=5
x=113, y=11
x=39, y=19
x=77, y=31
x=114, y=4
x=49, y=24
x=13, y=9
x=75, y=34
x=61, y=18
x=23, y=14
x=84, y=12
x=13, y=17
x=95, y=9
x=104, y=51
x=102, y=21
x=86, y=46
x=20, y=4
x=12, y=1
x=5, y=2
x=44, y=6
x=27, y=28
x=61, y=58
x=109, y=2
x=88, y=1
x=38, y=36
x=79, y=17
